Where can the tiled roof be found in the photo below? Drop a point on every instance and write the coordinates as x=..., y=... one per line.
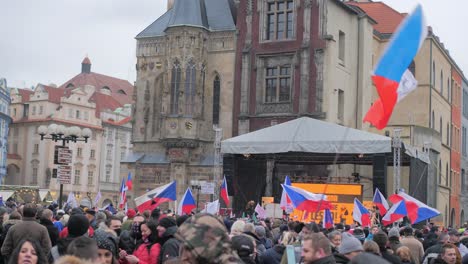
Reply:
x=103, y=102
x=25, y=94
x=55, y=94
x=99, y=81
x=213, y=15
x=118, y=123
x=386, y=17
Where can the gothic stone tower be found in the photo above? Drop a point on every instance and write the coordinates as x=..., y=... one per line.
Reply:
x=185, y=71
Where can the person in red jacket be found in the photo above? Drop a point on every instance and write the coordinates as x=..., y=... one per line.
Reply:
x=148, y=251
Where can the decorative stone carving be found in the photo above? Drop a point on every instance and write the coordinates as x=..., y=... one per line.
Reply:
x=180, y=143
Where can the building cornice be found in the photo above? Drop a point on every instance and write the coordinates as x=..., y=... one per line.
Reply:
x=61, y=121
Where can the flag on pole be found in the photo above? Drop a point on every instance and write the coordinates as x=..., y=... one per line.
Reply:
x=417, y=211
x=157, y=196
x=380, y=201
x=327, y=219
x=71, y=200
x=224, y=192
x=260, y=211
x=129, y=182
x=395, y=213
x=392, y=79
x=187, y=203
x=285, y=202
x=360, y=213
x=123, y=194
x=97, y=198
x=304, y=200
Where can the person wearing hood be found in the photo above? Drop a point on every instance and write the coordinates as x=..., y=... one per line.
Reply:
x=167, y=227
x=107, y=247
x=46, y=220
x=335, y=240
x=349, y=248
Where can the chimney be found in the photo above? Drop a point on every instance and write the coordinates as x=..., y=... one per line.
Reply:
x=86, y=65
x=170, y=4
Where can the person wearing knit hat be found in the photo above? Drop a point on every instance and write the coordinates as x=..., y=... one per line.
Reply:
x=127, y=224
x=107, y=247
x=394, y=238
x=78, y=225
x=167, y=227
x=359, y=234
x=349, y=248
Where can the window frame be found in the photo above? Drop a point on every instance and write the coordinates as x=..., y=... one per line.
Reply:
x=277, y=78
x=289, y=22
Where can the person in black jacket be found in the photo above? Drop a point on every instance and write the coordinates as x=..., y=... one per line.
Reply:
x=46, y=219
x=167, y=227
x=244, y=246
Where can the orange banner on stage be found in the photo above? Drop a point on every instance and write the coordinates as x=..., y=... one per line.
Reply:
x=340, y=195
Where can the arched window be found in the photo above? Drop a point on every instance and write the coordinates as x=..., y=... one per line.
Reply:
x=433, y=120
x=412, y=68
x=440, y=171
x=441, y=83
x=433, y=74
x=106, y=88
x=448, y=135
x=216, y=98
x=121, y=92
x=175, y=86
x=446, y=174
x=190, y=83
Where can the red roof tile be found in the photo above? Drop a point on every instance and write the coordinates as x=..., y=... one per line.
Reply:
x=103, y=102
x=118, y=123
x=55, y=94
x=25, y=94
x=117, y=86
x=386, y=17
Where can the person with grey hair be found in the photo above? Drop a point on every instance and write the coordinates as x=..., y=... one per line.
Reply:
x=434, y=251
x=249, y=230
x=335, y=240
x=261, y=233
x=46, y=219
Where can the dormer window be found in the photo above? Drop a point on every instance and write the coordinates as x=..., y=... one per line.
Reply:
x=106, y=88
x=70, y=85
x=121, y=92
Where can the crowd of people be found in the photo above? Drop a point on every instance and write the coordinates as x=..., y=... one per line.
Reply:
x=34, y=234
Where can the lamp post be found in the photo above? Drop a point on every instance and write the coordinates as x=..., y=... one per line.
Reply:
x=61, y=133
x=196, y=185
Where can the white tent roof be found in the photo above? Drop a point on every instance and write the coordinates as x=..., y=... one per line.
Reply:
x=307, y=135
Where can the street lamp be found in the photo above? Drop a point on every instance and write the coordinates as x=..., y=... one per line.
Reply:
x=66, y=135
x=196, y=185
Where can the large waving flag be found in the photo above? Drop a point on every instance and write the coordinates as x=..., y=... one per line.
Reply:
x=306, y=201
x=260, y=211
x=129, y=182
x=417, y=211
x=155, y=197
x=224, y=192
x=327, y=219
x=395, y=213
x=380, y=201
x=285, y=202
x=360, y=213
x=187, y=204
x=393, y=65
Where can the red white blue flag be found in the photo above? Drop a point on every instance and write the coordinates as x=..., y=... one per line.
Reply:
x=380, y=201
x=360, y=213
x=129, y=182
x=157, y=196
x=392, y=79
x=327, y=219
x=224, y=192
x=285, y=202
x=417, y=211
x=187, y=203
x=306, y=201
x=395, y=213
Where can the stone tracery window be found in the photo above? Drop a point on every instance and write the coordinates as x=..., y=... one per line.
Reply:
x=175, y=87
x=216, y=98
x=279, y=19
x=190, y=88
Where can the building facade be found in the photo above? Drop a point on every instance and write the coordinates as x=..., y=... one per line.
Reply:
x=185, y=65
x=464, y=153
x=78, y=102
x=5, y=121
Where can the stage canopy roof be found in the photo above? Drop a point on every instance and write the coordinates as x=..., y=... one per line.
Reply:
x=307, y=135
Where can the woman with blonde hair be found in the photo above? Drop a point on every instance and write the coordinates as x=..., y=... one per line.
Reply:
x=237, y=228
x=405, y=255
x=274, y=255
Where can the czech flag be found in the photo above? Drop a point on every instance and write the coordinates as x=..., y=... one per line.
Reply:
x=327, y=219
x=395, y=213
x=360, y=213
x=224, y=192
x=187, y=204
x=306, y=201
x=417, y=211
x=392, y=79
x=285, y=202
x=123, y=194
x=129, y=181
x=380, y=201
x=155, y=197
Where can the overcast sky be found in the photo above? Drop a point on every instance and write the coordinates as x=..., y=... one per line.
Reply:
x=45, y=41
